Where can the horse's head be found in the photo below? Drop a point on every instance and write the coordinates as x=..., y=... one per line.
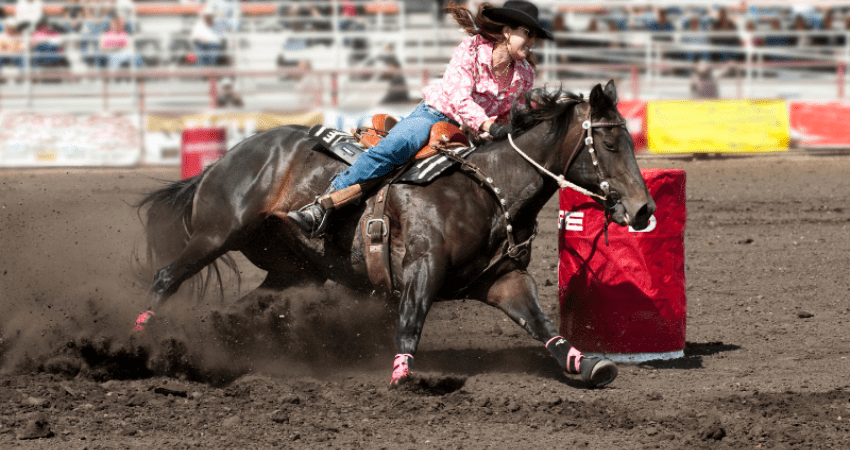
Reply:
x=604, y=160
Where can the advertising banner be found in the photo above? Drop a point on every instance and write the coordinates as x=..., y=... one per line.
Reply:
x=627, y=299
x=164, y=131
x=30, y=139
x=813, y=124
x=717, y=126
x=634, y=111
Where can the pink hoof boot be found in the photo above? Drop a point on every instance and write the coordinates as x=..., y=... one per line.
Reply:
x=142, y=320
x=596, y=372
x=401, y=368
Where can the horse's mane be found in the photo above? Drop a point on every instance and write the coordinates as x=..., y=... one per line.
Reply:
x=541, y=105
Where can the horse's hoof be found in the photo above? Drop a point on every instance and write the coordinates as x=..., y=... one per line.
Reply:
x=141, y=321
x=396, y=382
x=598, y=372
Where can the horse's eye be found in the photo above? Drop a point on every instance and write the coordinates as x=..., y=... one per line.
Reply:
x=610, y=147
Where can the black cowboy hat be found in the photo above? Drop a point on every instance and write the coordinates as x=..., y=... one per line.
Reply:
x=519, y=12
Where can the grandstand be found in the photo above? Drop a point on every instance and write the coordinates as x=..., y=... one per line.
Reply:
x=294, y=55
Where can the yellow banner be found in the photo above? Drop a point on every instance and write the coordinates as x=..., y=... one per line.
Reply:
x=717, y=126
x=260, y=121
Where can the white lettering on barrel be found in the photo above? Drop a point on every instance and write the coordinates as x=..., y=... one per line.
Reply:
x=570, y=220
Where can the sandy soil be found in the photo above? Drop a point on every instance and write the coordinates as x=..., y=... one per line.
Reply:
x=766, y=364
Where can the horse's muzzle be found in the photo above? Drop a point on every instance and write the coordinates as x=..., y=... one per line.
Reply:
x=639, y=219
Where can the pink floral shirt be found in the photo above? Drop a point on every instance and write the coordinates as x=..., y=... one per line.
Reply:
x=469, y=92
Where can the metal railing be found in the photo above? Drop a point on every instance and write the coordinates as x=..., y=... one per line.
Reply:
x=345, y=60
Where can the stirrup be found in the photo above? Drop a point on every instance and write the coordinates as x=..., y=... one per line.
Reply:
x=308, y=210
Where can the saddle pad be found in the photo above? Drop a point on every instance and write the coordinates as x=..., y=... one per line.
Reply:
x=422, y=172
x=426, y=170
x=348, y=150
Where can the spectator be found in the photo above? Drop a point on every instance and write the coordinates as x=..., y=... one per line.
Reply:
x=661, y=28
x=208, y=42
x=94, y=24
x=695, y=37
x=726, y=35
x=226, y=18
x=662, y=25
x=12, y=46
x=749, y=37
x=800, y=28
x=308, y=18
x=47, y=46
x=72, y=17
x=704, y=81
x=227, y=96
x=28, y=13
x=397, y=91
x=126, y=10
x=777, y=37
x=116, y=46
x=563, y=41
x=829, y=39
x=310, y=86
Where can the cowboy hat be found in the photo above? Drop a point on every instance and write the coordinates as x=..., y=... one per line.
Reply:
x=519, y=12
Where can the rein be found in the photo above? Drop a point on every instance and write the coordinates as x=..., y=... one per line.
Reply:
x=587, y=126
x=512, y=249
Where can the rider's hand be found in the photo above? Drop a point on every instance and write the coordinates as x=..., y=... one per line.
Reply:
x=499, y=131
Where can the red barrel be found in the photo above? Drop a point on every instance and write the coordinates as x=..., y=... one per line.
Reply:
x=627, y=300
x=199, y=148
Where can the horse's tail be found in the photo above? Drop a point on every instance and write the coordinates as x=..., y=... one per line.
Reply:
x=168, y=227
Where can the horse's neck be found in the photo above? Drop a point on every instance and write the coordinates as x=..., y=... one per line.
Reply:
x=524, y=188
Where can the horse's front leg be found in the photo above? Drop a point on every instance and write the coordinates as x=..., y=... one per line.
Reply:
x=422, y=280
x=515, y=293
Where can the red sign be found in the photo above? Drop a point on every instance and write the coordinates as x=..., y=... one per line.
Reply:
x=199, y=148
x=634, y=111
x=817, y=124
x=628, y=297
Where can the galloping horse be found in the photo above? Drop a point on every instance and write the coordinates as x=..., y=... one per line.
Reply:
x=450, y=239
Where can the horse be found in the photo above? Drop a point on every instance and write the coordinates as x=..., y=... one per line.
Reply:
x=450, y=239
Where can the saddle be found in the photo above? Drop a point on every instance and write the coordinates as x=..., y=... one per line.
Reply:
x=375, y=226
x=443, y=135
x=349, y=146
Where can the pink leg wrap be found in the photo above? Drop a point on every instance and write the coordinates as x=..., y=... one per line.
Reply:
x=574, y=360
x=401, y=368
x=142, y=320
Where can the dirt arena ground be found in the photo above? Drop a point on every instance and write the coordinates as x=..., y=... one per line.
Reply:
x=766, y=363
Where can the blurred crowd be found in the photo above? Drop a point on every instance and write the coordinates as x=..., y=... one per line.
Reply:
x=716, y=33
x=105, y=34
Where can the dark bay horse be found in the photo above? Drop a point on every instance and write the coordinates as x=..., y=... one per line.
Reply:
x=448, y=239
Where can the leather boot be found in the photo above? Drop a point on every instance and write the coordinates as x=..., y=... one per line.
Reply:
x=313, y=218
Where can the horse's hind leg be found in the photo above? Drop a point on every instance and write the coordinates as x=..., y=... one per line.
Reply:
x=515, y=293
x=202, y=250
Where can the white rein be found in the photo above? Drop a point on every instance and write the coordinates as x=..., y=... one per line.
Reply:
x=562, y=182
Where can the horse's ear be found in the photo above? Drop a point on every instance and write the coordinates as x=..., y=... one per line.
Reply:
x=611, y=92
x=598, y=99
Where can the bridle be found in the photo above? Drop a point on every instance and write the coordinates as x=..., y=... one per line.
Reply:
x=516, y=250
x=609, y=199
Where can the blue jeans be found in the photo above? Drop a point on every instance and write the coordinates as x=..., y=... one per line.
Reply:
x=207, y=53
x=402, y=142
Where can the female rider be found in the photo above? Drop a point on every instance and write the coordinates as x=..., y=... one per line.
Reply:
x=490, y=69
